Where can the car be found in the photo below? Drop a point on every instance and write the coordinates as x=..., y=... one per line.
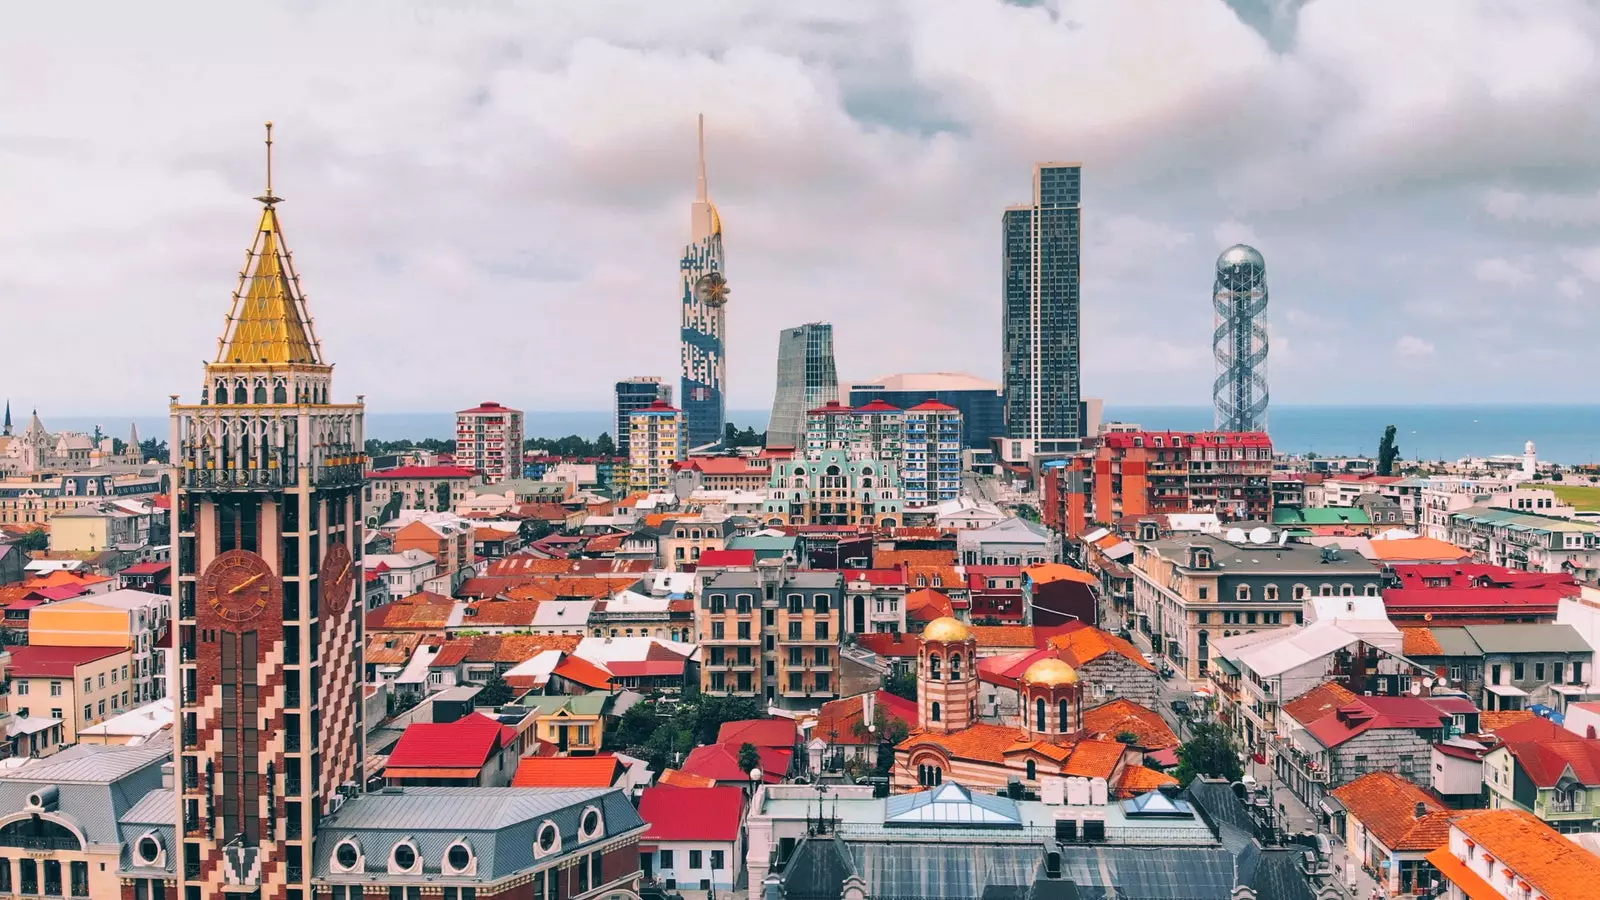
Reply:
x=1181, y=707
x=1150, y=658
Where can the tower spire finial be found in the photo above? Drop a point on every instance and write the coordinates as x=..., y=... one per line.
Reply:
x=268, y=199
x=700, y=184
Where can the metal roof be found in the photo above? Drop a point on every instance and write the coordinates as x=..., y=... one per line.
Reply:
x=952, y=804
x=1528, y=637
x=96, y=784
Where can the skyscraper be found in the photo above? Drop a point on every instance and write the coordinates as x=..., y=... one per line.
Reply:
x=1040, y=328
x=807, y=379
x=1239, y=342
x=266, y=528
x=704, y=291
x=637, y=393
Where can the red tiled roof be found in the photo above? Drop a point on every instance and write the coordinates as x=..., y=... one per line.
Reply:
x=981, y=741
x=889, y=644
x=34, y=661
x=501, y=648
x=568, y=771
x=878, y=577
x=1546, y=761
x=838, y=720
x=1136, y=780
x=584, y=672
x=1085, y=645
x=500, y=613
x=701, y=814
x=711, y=559
x=466, y=743
x=418, y=472
x=1319, y=701
x=1095, y=759
x=928, y=604
x=1554, y=866
x=994, y=636
x=1109, y=721
x=1387, y=805
x=418, y=612
x=147, y=568
x=779, y=733
x=1419, y=642
x=720, y=762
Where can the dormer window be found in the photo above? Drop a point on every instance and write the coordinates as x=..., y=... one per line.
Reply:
x=404, y=859
x=459, y=859
x=347, y=856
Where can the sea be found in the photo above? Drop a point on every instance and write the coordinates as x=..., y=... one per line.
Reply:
x=1566, y=434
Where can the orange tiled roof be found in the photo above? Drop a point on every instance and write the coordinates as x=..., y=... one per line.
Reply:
x=605, y=543
x=1044, y=573
x=1109, y=720
x=391, y=649
x=1057, y=752
x=500, y=613
x=1084, y=645
x=684, y=779
x=888, y=559
x=1319, y=701
x=1419, y=641
x=656, y=520
x=60, y=578
x=1554, y=866
x=1095, y=759
x=1387, y=805
x=945, y=578
x=558, y=587
x=1418, y=548
x=412, y=615
x=1022, y=636
x=1494, y=720
x=928, y=604
x=502, y=648
x=1136, y=780
x=584, y=672
x=984, y=742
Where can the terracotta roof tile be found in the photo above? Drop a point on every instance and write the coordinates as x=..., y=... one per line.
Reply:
x=1136, y=780
x=684, y=779
x=568, y=771
x=1491, y=721
x=839, y=720
x=928, y=604
x=390, y=649
x=889, y=644
x=1419, y=642
x=1084, y=645
x=1553, y=865
x=982, y=741
x=888, y=559
x=500, y=613
x=1095, y=759
x=1112, y=719
x=996, y=636
x=1319, y=701
x=1386, y=804
x=1546, y=761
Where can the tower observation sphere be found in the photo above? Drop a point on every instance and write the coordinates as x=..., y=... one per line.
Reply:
x=1239, y=342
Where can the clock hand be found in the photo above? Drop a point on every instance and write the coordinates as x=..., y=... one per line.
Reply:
x=345, y=571
x=245, y=584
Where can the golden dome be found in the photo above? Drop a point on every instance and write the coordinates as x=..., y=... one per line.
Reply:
x=1050, y=671
x=945, y=628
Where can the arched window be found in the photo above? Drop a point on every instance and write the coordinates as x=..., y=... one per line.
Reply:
x=833, y=470
x=36, y=832
x=1061, y=716
x=1038, y=714
x=261, y=393
x=1244, y=592
x=866, y=482
x=1033, y=770
x=240, y=397
x=280, y=394
x=933, y=666
x=955, y=667
x=934, y=712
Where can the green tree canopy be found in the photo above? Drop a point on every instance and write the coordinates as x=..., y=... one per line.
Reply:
x=901, y=684
x=749, y=757
x=1388, y=452
x=35, y=541
x=495, y=693
x=1209, y=751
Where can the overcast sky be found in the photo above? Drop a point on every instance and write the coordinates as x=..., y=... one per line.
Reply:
x=487, y=200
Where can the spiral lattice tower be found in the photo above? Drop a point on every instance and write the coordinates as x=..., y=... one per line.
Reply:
x=1240, y=340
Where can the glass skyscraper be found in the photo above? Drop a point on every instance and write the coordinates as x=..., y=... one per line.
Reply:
x=806, y=380
x=633, y=394
x=704, y=295
x=1040, y=340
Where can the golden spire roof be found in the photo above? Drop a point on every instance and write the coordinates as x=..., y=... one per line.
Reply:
x=268, y=322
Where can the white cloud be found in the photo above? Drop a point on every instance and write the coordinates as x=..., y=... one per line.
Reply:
x=1226, y=234
x=1412, y=347
x=1542, y=208
x=1569, y=287
x=1502, y=271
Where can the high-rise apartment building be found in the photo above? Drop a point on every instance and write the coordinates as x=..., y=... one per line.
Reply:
x=489, y=439
x=266, y=531
x=633, y=394
x=1040, y=343
x=874, y=430
x=703, y=289
x=771, y=633
x=982, y=404
x=657, y=438
x=931, y=470
x=807, y=379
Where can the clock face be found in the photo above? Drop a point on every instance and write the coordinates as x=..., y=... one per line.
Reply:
x=335, y=576
x=238, y=586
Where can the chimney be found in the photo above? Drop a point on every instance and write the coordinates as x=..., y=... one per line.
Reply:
x=869, y=705
x=1422, y=810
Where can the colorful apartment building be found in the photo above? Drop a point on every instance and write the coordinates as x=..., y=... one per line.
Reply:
x=81, y=686
x=489, y=439
x=657, y=439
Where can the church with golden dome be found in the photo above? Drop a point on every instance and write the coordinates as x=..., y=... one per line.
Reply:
x=1048, y=737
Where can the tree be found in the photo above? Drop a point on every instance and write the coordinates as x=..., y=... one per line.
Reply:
x=637, y=726
x=705, y=719
x=1025, y=511
x=35, y=541
x=1388, y=452
x=749, y=757
x=495, y=693
x=901, y=684
x=658, y=750
x=152, y=449
x=1209, y=751
x=1127, y=737
x=442, y=493
x=748, y=437
x=604, y=445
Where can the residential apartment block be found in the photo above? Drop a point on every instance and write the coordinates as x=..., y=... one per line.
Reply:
x=657, y=439
x=81, y=686
x=771, y=633
x=932, y=445
x=635, y=394
x=835, y=488
x=125, y=618
x=1528, y=541
x=489, y=439
x=430, y=488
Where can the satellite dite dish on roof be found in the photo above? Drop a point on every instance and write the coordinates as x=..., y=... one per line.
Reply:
x=1416, y=689
x=1260, y=535
x=1235, y=535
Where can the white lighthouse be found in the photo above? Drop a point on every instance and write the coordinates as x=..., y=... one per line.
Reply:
x=1530, y=460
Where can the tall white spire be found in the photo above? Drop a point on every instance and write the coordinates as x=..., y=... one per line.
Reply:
x=704, y=221
x=700, y=183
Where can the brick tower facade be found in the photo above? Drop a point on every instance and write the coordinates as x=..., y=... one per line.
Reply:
x=1052, y=701
x=266, y=531
x=947, y=677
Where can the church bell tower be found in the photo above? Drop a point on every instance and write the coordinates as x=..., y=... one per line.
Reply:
x=266, y=531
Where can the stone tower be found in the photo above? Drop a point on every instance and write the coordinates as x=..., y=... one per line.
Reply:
x=947, y=677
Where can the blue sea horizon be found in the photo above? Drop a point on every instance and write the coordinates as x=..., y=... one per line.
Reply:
x=1567, y=433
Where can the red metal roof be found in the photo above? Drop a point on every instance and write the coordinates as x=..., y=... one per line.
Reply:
x=724, y=558
x=657, y=406
x=488, y=406
x=1484, y=575
x=931, y=405
x=692, y=813
x=147, y=568
x=877, y=406
x=782, y=733
x=423, y=472
x=1367, y=713
x=646, y=669
x=466, y=743
x=888, y=644
x=831, y=408
x=719, y=465
x=1545, y=761
x=568, y=771
x=1421, y=599
x=34, y=661
x=720, y=762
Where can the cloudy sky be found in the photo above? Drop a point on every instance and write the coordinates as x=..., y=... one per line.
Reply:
x=488, y=199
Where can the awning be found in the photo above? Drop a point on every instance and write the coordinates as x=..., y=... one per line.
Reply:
x=1505, y=690
x=1226, y=665
x=1457, y=873
x=1572, y=690
x=647, y=848
x=1331, y=805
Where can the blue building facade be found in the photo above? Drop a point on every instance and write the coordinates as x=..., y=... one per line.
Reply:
x=703, y=289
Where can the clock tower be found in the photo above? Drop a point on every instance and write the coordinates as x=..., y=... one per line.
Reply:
x=266, y=503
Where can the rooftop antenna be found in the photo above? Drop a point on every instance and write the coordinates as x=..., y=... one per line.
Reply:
x=268, y=199
x=700, y=182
